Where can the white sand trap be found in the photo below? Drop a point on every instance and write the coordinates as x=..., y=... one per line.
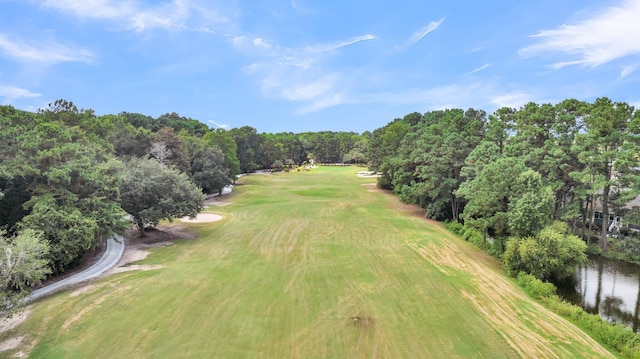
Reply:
x=202, y=218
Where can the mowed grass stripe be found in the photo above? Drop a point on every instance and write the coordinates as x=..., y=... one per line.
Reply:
x=308, y=265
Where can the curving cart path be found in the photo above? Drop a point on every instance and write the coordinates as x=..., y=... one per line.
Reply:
x=111, y=256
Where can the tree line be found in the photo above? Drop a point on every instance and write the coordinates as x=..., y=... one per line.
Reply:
x=516, y=171
x=69, y=178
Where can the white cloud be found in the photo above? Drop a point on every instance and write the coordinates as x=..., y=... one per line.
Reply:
x=238, y=41
x=420, y=34
x=627, y=70
x=100, y=9
x=12, y=93
x=259, y=42
x=322, y=103
x=143, y=21
x=206, y=29
x=610, y=34
x=478, y=69
x=219, y=125
x=335, y=46
x=298, y=74
x=47, y=53
x=311, y=90
x=514, y=100
x=132, y=15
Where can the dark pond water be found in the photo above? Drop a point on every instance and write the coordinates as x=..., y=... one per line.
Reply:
x=608, y=287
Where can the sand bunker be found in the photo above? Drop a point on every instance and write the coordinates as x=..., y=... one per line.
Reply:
x=202, y=218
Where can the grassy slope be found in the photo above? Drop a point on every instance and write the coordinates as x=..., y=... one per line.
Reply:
x=308, y=265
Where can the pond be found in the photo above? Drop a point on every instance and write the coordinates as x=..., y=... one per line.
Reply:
x=608, y=287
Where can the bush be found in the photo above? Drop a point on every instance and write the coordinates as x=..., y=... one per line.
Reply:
x=455, y=227
x=550, y=254
x=535, y=287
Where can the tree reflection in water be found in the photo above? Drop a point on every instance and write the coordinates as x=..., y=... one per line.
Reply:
x=608, y=287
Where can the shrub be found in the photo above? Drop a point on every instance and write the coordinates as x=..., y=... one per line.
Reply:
x=535, y=287
x=455, y=227
x=550, y=254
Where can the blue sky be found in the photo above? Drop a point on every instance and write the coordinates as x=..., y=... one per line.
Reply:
x=302, y=65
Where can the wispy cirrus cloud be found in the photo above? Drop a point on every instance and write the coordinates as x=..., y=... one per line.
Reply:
x=340, y=44
x=456, y=95
x=515, y=99
x=610, y=34
x=628, y=70
x=302, y=74
x=134, y=15
x=46, y=53
x=483, y=67
x=420, y=34
x=218, y=125
x=100, y=9
x=13, y=93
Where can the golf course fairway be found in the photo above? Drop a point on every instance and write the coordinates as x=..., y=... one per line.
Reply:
x=310, y=264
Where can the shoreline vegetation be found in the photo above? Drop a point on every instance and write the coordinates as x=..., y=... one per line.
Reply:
x=618, y=337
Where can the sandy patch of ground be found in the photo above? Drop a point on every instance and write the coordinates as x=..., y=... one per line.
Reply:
x=202, y=218
x=11, y=343
x=220, y=201
x=10, y=323
x=368, y=174
x=132, y=253
x=136, y=249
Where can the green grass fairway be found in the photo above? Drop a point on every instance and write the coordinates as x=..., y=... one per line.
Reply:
x=314, y=264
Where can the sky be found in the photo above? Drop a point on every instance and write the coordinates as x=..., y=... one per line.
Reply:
x=303, y=65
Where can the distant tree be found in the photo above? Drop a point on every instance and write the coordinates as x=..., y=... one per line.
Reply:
x=224, y=141
x=129, y=141
x=138, y=120
x=384, y=141
x=23, y=263
x=489, y=193
x=531, y=205
x=248, y=147
x=610, y=152
x=431, y=159
x=208, y=170
x=150, y=192
x=171, y=146
x=271, y=150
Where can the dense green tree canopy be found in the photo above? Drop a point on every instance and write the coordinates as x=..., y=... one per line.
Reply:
x=151, y=192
